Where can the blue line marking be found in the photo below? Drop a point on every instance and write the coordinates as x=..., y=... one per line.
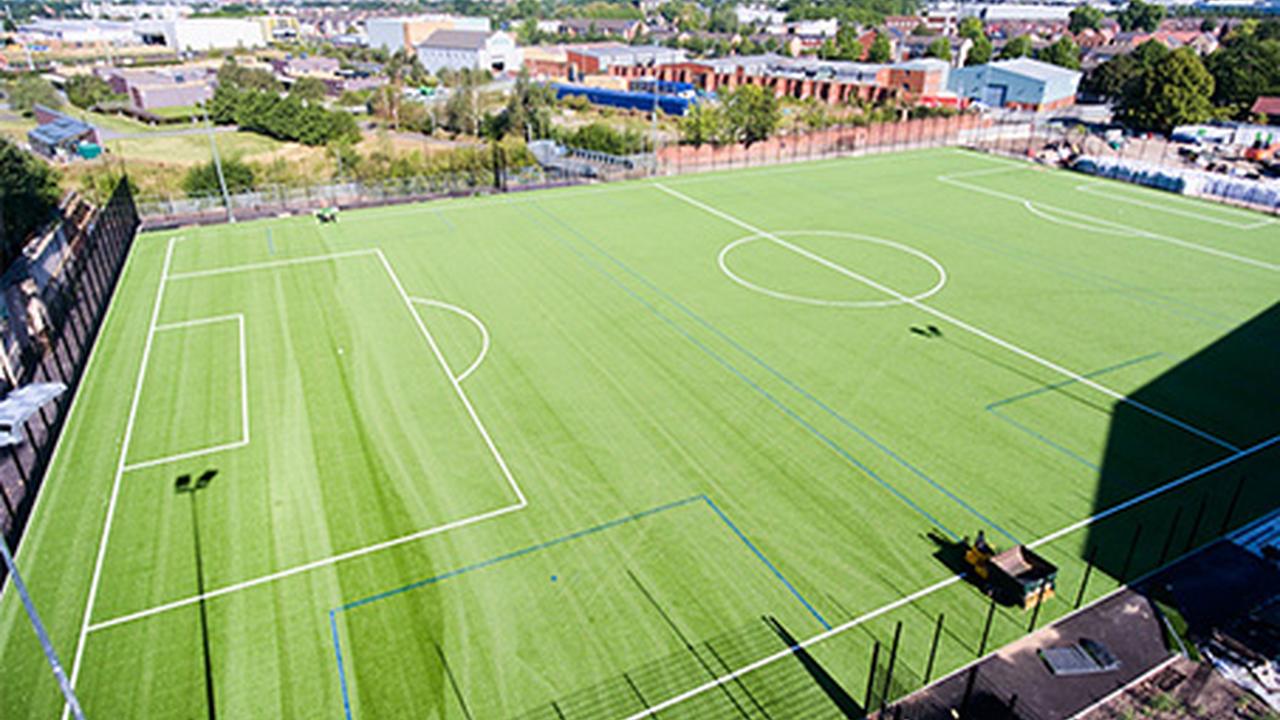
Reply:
x=763, y=559
x=342, y=672
x=337, y=646
x=1072, y=381
x=765, y=393
x=786, y=380
x=994, y=408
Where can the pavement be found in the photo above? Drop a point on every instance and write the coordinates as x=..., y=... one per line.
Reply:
x=1126, y=623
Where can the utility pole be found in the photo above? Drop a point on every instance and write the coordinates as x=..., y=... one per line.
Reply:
x=217, y=164
x=68, y=692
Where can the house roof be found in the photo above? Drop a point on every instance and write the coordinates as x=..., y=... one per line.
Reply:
x=1035, y=69
x=1268, y=105
x=61, y=129
x=457, y=39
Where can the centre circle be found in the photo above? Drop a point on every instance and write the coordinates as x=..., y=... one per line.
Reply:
x=896, y=298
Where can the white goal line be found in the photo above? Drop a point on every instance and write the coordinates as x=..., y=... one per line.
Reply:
x=906, y=600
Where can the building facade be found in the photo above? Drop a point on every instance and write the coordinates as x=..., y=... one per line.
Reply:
x=469, y=49
x=1022, y=84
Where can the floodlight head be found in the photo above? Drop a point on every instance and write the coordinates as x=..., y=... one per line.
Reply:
x=183, y=483
x=205, y=478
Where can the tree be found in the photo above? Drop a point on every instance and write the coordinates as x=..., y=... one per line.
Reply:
x=940, y=48
x=310, y=89
x=460, y=112
x=981, y=51
x=1085, y=17
x=751, y=113
x=202, y=180
x=85, y=91
x=1064, y=53
x=1173, y=90
x=703, y=124
x=1138, y=15
x=28, y=196
x=243, y=78
x=1243, y=68
x=1017, y=47
x=880, y=50
x=1110, y=79
x=31, y=90
x=724, y=19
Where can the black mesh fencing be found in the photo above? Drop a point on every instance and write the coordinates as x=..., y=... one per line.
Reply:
x=55, y=299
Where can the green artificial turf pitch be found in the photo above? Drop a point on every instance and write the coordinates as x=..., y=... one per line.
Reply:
x=573, y=453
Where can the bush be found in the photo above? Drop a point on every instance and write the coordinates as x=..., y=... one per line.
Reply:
x=85, y=91
x=601, y=137
x=30, y=90
x=202, y=180
x=287, y=118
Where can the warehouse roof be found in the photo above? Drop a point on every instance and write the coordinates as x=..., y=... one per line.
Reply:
x=1035, y=69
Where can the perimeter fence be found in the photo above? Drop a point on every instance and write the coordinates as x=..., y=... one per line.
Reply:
x=56, y=296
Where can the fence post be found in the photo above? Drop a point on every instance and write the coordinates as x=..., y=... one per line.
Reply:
x=871, y=676
x=1128, y=558
x=986, y=628
x=1195, y=524
x=1231, y=506
x=893, y=657
x=933, y=648
x=1088, y=570
x=1168, y=540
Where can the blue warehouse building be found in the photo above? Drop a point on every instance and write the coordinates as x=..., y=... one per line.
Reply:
x=1022, y=84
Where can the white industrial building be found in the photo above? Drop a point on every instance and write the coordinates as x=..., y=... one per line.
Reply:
x=79, y=32
x=396, y=33
x=471, y=49
x=202, y=33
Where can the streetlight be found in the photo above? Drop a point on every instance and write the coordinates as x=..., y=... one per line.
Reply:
x=17, y=406
x=185, y=484
x=217, y=162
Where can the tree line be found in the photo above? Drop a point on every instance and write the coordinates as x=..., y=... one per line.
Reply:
x=253, y=99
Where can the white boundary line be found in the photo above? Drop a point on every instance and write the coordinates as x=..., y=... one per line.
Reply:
x=861, y=619
x=1031, y=208
x=484, y=332
x=120, y=463
x=522, y=501
x=722, y=260
x=1100, y=189
x=75, y=400
x=952, y=320
x=244, y=395
x=950, y=179
x=270, y=265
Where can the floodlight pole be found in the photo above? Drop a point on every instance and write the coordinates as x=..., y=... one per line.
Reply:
x=217, y=164
x=68, y=692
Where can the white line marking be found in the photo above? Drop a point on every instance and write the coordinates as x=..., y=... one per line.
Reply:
x=722, y=260
x=484, y=331
x=1112, y=193
x=952, y=320
x=521, y=503
x=115, y=483
x=296, y=569
x=861, y=619
x=75, y=400
x=1031, y=208
x=244, y=395
x=951, y=180
x=269, y=265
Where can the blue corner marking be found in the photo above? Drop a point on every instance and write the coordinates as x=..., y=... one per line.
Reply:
x=994, y=407
x=333, y=614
